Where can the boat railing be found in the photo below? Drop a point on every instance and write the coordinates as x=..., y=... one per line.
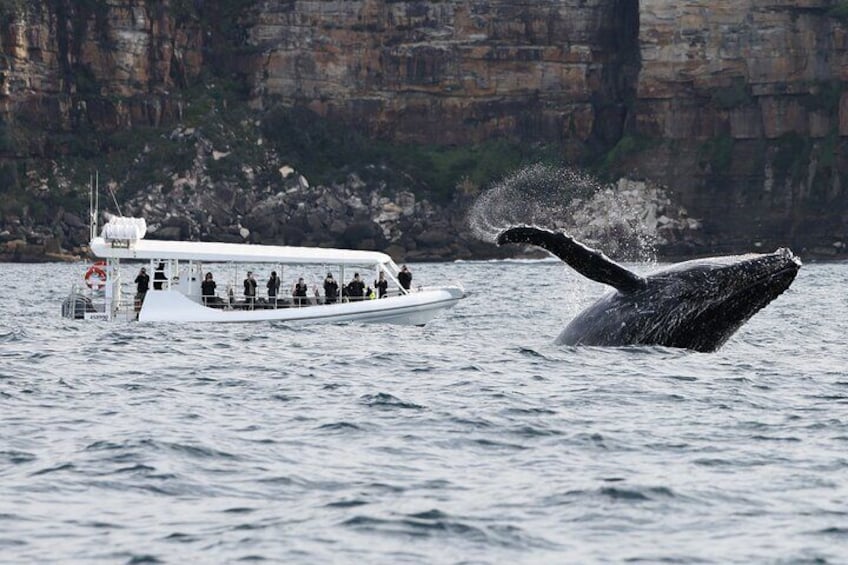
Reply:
x=126, y=303
x=74, y=305
x=231, y=301
x=81, y=301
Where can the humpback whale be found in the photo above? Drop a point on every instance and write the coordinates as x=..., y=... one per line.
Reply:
x=694, y=305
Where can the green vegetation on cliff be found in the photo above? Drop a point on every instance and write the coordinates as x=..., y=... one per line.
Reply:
x=629, y=146
x=326, y=151
x=9, y=9
x=839, y=10
x=717, y=152
x=737, y=95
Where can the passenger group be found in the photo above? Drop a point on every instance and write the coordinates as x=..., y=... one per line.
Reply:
x=352, y=291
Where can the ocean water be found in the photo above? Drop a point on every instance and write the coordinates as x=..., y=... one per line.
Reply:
x=472, y=440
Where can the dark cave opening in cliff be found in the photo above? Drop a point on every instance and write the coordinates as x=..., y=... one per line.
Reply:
x=618, y=78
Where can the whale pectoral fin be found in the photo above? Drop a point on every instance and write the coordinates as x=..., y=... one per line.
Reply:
x=586, y=261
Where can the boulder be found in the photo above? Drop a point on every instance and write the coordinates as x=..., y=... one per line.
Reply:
x=337, y=227
x=406, y=201
x=434, y=237
x=52, y=245
x=396, y=252
x=291, y=235
x=228, y=238
x=315, y=223
x=356, y=233
x=167, y=232
x=333, y=204
x=72, y=220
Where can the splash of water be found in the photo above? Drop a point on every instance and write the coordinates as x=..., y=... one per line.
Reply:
x=619, y=219
x=539, y=195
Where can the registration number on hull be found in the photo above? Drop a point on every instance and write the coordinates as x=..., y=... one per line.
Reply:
x=102, y=316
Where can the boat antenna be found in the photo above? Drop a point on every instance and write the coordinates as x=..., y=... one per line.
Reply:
x=93, y=204
x=115, y=200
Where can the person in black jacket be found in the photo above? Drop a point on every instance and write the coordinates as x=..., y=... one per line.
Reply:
x=142, y=284
x=331, y=290
x=250, y=290
x=207, y=290
x=355, y=288
x=273, y=286
x=405, y=277
x=299, y=292
x=382, y=285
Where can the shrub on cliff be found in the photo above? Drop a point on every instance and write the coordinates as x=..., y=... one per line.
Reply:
x=839, y=10
x=326, y=151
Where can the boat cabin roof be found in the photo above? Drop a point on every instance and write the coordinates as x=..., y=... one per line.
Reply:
x=209, y=252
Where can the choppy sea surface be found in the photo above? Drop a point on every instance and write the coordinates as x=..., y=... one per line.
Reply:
x=472, y=440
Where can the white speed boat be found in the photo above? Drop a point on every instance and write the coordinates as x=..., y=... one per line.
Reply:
x=177, y=269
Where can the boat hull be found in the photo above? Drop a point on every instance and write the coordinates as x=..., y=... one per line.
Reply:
x=416, y=308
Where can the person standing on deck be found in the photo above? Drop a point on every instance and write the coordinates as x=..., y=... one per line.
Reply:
x=355, y=288
x=250, y=290
x=207, y=290
x=405, y=277
x=273, y=286
x=382, y=285
x=331, y=290
x=142, y=284
x=299, y=292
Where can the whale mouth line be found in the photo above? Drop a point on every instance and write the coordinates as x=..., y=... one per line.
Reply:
x=768, y=277
x=789, y=269
x=772, y=283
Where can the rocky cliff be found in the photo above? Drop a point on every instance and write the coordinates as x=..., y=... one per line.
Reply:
x=742, y=108
x=737, y=108
x=454, y=71
x=68, y=66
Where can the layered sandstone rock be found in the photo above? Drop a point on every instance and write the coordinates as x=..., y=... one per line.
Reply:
x=451, y=72
x=116, y=64
x=747, y=107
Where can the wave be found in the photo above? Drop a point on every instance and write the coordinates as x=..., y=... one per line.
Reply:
x=384, y=400
x=340, y=427
x=437, y=524
x=14, y=335
x=530, y=261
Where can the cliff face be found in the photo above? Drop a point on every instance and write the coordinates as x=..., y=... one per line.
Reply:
x=454, y=71
x=426, y=72
x=745, y=108
x=69, y=65
x=738, y=107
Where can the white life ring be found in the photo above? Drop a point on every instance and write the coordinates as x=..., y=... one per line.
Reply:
x=95, y=276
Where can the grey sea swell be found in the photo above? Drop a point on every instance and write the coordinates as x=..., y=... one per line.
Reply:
x=474, y=439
